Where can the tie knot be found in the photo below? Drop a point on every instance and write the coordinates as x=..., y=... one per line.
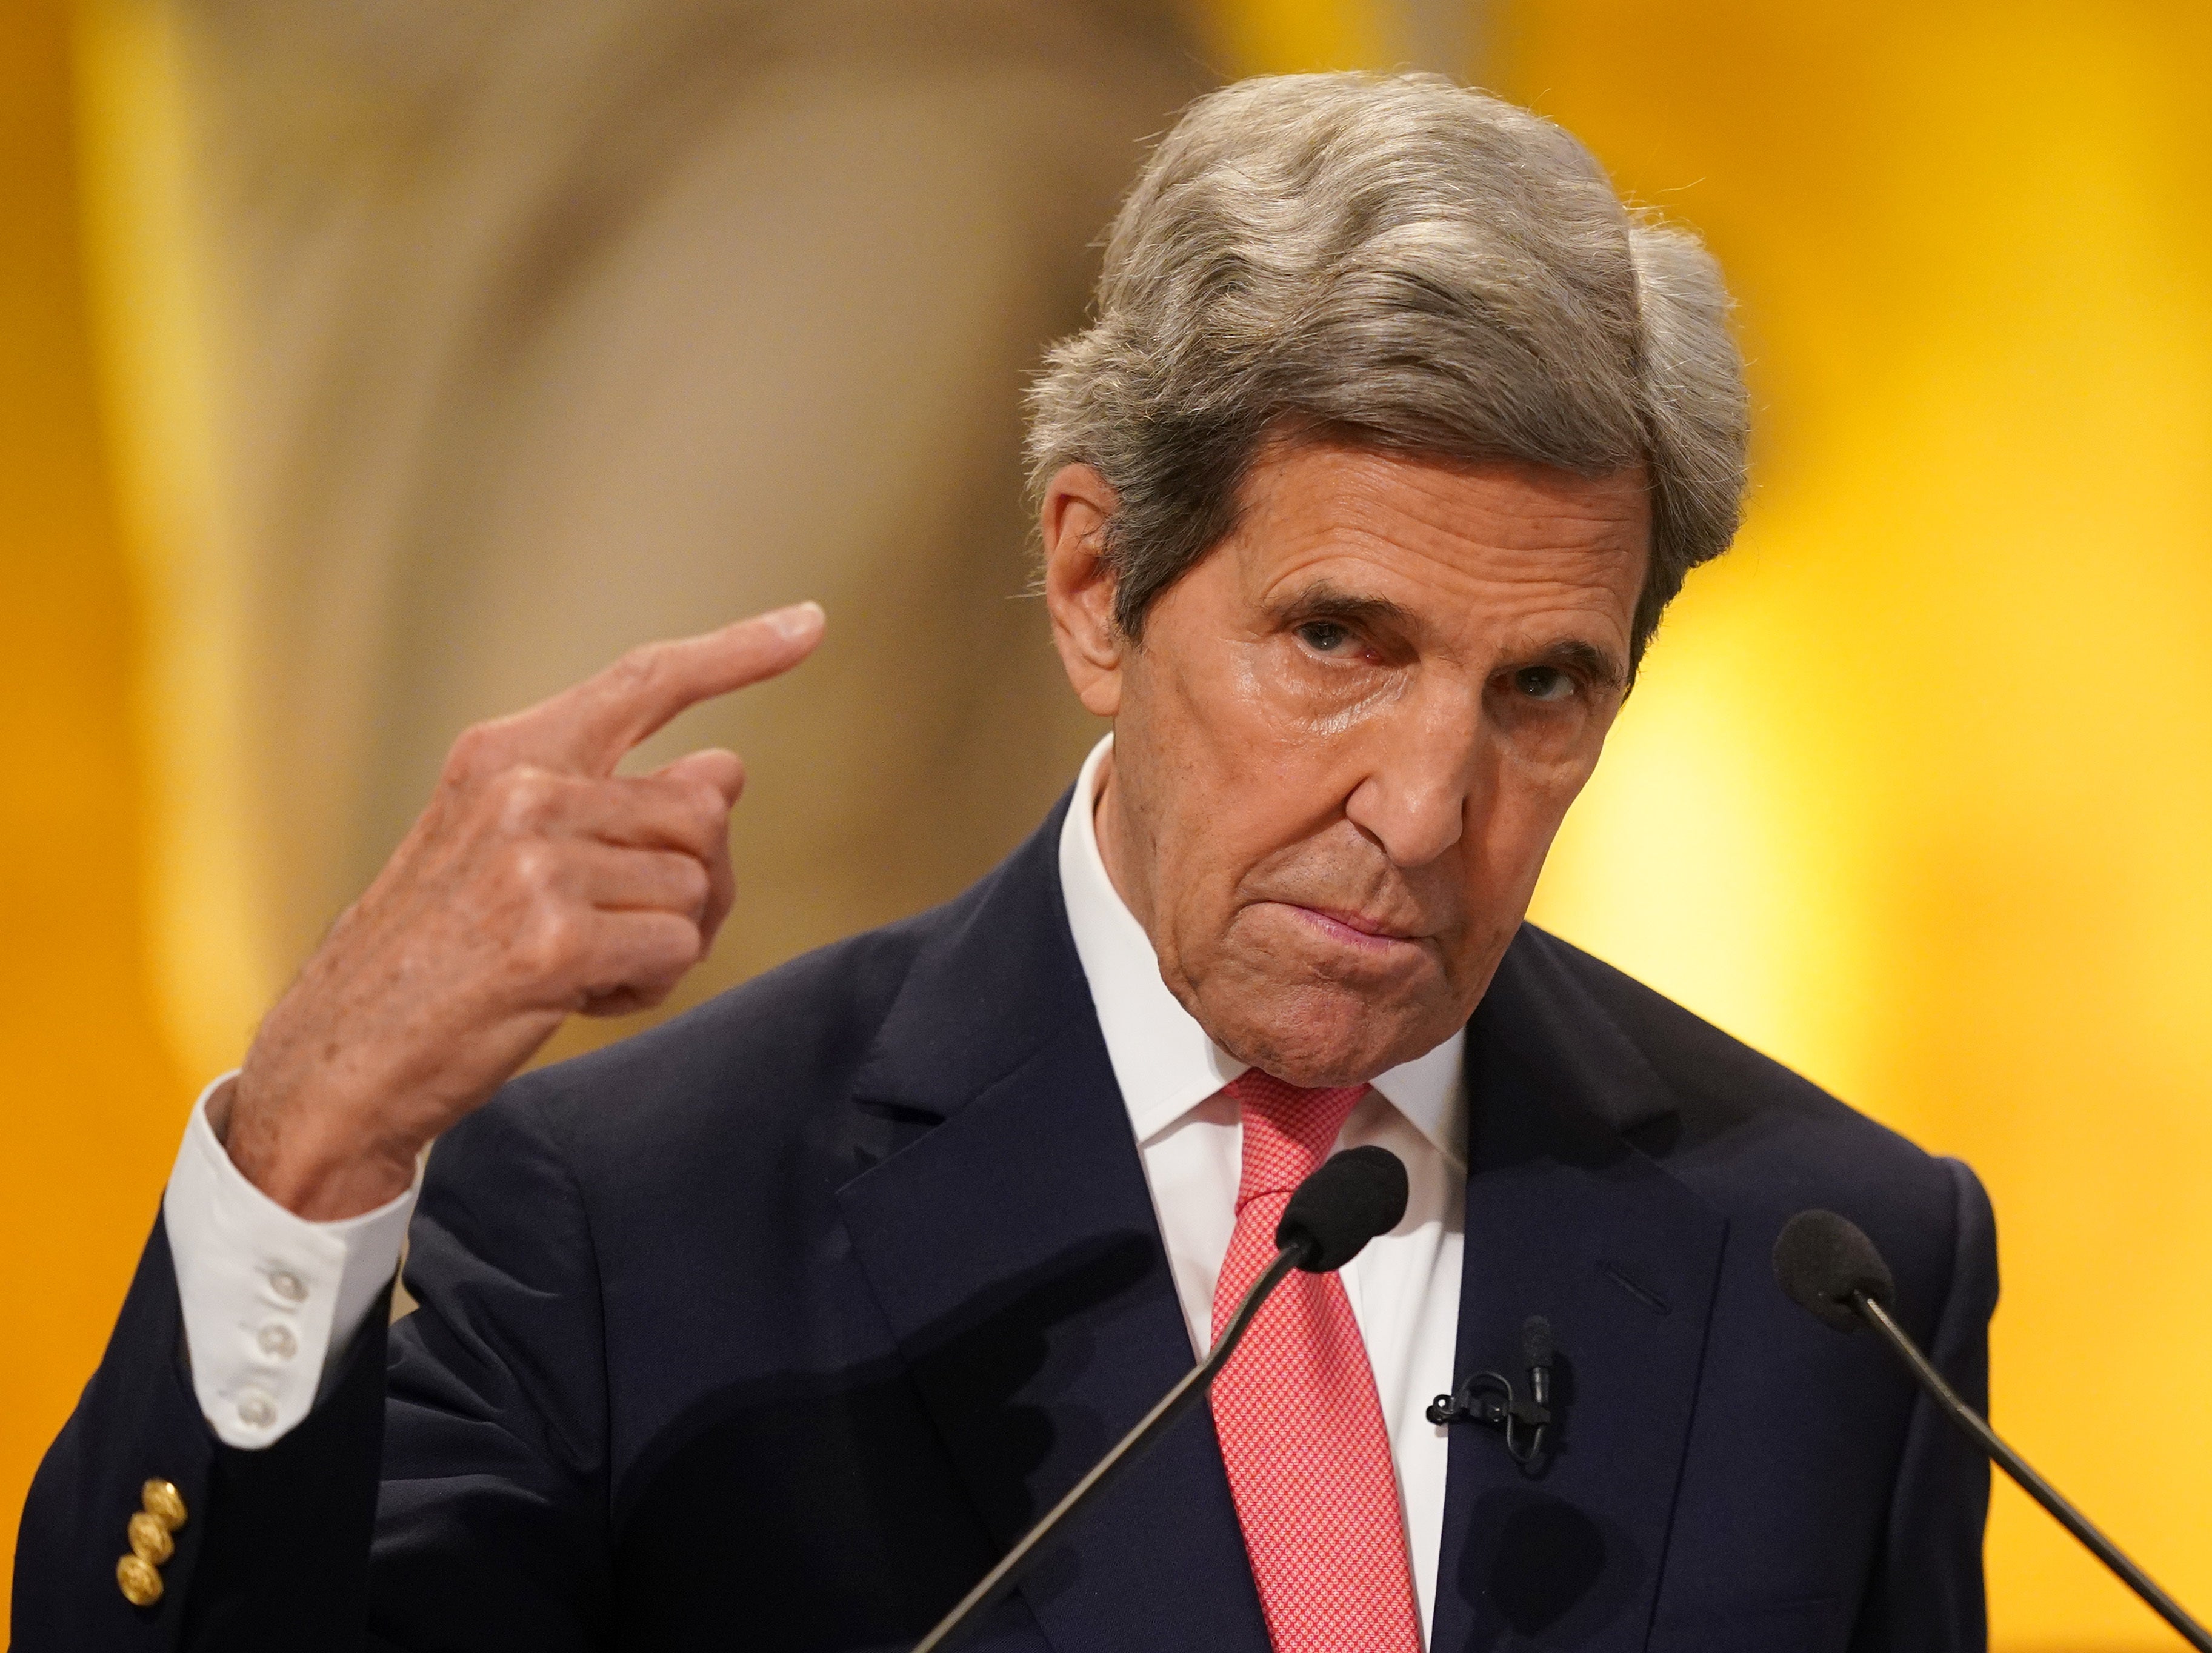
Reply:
x=1288, y=1130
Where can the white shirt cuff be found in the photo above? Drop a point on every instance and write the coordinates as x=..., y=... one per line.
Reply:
x=268, y=1297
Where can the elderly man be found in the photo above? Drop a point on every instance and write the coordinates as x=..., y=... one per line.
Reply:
x=1359, y=502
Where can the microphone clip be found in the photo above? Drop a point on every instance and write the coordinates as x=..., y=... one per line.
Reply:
x=1488, y=1398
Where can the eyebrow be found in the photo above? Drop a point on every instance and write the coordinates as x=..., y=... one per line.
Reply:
x=1600, y=665
x=1322, y=601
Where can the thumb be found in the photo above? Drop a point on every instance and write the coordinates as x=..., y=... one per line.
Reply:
x=726, y=772
x=723, y=770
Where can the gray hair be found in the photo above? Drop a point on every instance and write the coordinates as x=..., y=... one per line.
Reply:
x=1405, y=263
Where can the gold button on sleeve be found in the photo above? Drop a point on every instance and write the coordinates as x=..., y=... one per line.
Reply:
x=151, y=1539
x=164, y=1502
x=139, y=1579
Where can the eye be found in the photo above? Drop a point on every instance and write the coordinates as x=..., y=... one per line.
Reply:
x=1546, y=683
x=1324, y=636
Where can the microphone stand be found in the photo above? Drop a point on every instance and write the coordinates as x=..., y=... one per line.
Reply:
x=1194, y=1388
x=2031, y=1483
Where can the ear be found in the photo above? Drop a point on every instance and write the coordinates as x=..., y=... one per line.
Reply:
x=1079, y=584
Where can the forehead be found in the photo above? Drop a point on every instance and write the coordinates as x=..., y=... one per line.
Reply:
x=1458, y=546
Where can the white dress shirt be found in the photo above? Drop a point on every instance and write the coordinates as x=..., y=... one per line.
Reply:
x=267, y=1295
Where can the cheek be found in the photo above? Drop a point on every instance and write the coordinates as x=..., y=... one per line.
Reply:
x=1547, y=754
x=1548, y=779
x=1188, y=780
x=1220, y=756
x=1519, y=813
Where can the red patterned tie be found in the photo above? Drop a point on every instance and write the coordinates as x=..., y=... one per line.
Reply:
x=1301, y=1429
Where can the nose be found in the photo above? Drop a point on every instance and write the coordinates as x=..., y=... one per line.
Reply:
x=1413, y=799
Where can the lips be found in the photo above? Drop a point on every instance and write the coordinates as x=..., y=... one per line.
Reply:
x=1355, y=929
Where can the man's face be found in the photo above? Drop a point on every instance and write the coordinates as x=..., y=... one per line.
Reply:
x=1348, y=735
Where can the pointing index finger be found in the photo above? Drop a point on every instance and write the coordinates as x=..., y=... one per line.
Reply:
x=588, y=728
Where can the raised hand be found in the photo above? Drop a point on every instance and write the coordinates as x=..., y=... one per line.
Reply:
x=537, y=882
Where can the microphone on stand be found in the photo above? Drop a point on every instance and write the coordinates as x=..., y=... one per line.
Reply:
x=1831, y=1269
x=1353, y=1196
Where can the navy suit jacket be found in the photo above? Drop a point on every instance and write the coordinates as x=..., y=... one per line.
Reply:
x=774, y=1327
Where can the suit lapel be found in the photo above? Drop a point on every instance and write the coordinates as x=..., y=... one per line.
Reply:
x=1566, y=1221
x=1013, y=1249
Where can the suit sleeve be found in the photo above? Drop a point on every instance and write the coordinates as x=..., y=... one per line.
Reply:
x=1927, y=1595
x=446, y=1491
x=492, y=1530
x=139, y=1420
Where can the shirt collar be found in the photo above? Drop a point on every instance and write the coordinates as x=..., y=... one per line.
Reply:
x=1164, y=1061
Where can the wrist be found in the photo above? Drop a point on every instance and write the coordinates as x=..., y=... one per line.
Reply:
x=311, y=1167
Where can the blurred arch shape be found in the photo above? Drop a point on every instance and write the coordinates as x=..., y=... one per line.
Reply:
x=454, y=349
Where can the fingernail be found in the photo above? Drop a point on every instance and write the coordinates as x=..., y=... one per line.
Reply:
x=797, y=620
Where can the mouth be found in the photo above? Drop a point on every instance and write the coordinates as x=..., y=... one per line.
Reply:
x=1370, y=935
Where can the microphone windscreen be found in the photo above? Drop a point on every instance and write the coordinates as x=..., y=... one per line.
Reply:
x=1354, y=1196
x=1822, y=1260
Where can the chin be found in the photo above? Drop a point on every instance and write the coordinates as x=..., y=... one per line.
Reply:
x=1323, y=1036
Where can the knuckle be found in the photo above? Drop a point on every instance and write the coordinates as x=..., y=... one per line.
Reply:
x=692, y=883
x=465, y=757
x=550, y=945
x=524, y=798
x=531, y=866
x=651, y=961
x=637, y=670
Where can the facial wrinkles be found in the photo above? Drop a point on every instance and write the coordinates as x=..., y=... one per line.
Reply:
x=1323, y=721
x=1259, y=745
x=1440, y=747
x=1341, y=867
x=1345, y=871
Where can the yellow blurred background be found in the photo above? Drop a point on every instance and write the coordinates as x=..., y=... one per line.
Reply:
x=1916, y=794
